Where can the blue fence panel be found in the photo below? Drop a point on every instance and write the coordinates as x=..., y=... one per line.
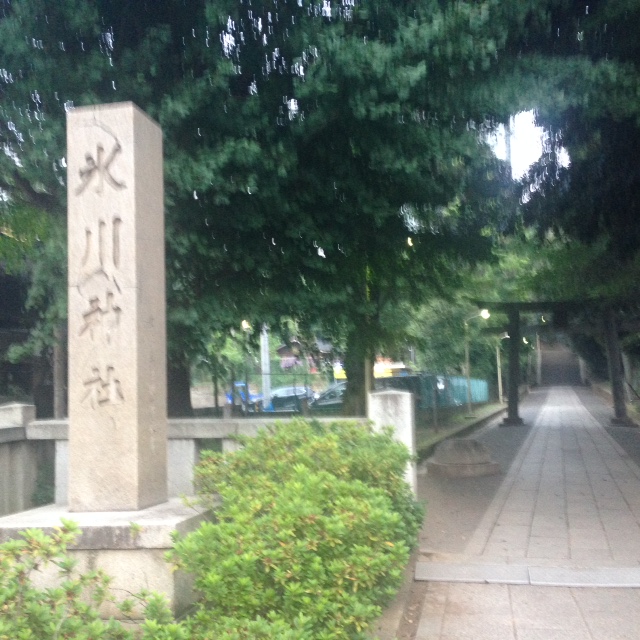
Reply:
x=451, y=391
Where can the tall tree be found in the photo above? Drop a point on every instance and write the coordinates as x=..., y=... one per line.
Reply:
x=323, y=161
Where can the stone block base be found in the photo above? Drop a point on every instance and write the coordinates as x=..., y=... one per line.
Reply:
x=461, y=458
x=127, y=545
x=449, y=470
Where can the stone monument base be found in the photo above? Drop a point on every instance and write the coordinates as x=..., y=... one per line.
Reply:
x=624, y=422
x=129, y=546
x=461, y=458
x=512, y=422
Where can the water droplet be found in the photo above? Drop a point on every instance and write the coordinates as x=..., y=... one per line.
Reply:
x=321, y=252
x=195, y=194
x=113, y=84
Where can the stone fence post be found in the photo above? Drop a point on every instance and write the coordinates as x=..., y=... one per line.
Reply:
x=392, y=408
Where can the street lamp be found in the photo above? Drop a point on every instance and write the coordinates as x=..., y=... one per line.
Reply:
x=467, y=365
x=246, y=328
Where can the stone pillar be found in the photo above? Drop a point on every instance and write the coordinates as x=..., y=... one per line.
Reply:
x=391, y=408
x=584, y=378
x=627, y=376
x=616, y=373
x=513, y=418
x=117, y=336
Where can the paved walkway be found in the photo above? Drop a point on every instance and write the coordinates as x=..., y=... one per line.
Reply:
x=555, y=551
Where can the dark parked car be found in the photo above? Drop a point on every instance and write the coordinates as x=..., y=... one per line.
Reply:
x=290, y=398
x=330, y=399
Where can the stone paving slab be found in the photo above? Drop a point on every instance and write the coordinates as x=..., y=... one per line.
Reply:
x=484, y=573
x=611, y=577
x=456, y=611
x=556, y=555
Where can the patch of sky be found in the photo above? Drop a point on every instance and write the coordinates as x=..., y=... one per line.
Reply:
x=527, y=143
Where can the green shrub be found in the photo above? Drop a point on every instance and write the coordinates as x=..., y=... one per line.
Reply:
x=347, y=449
x=313, y=532
x=310, y=541
x=70, y=609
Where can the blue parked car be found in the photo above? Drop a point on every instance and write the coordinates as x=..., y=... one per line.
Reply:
x=255, y=399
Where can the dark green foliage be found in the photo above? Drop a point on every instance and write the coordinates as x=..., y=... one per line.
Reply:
x=596, y=200
x=276, y=208
x=313, y=532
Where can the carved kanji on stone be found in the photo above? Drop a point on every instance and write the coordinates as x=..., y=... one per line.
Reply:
x=100, y=168
x=102, y=391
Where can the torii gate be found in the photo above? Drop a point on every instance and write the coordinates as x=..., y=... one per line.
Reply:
x=561, y=311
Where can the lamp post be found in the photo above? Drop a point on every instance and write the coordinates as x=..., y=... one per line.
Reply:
x=265, y=366
x=246, y=328
x=467, y=365
x=499, y=365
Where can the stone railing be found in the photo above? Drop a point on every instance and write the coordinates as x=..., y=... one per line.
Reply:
x=27, y=444
x=21, y=462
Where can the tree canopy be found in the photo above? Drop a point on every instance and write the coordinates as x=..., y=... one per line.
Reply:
x=326, y=161
x=592, y=206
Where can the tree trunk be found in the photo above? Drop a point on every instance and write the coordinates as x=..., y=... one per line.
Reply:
x=59, y=373
x=513, y=390
x=179, y=390
x=216, y=391
x=42, y=387
x=358, y=354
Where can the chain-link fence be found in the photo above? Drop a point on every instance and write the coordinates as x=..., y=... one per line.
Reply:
x=302, y=391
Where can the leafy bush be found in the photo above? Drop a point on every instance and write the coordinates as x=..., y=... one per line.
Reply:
x=311, y=538
x=70, y=609
x=312, y=535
